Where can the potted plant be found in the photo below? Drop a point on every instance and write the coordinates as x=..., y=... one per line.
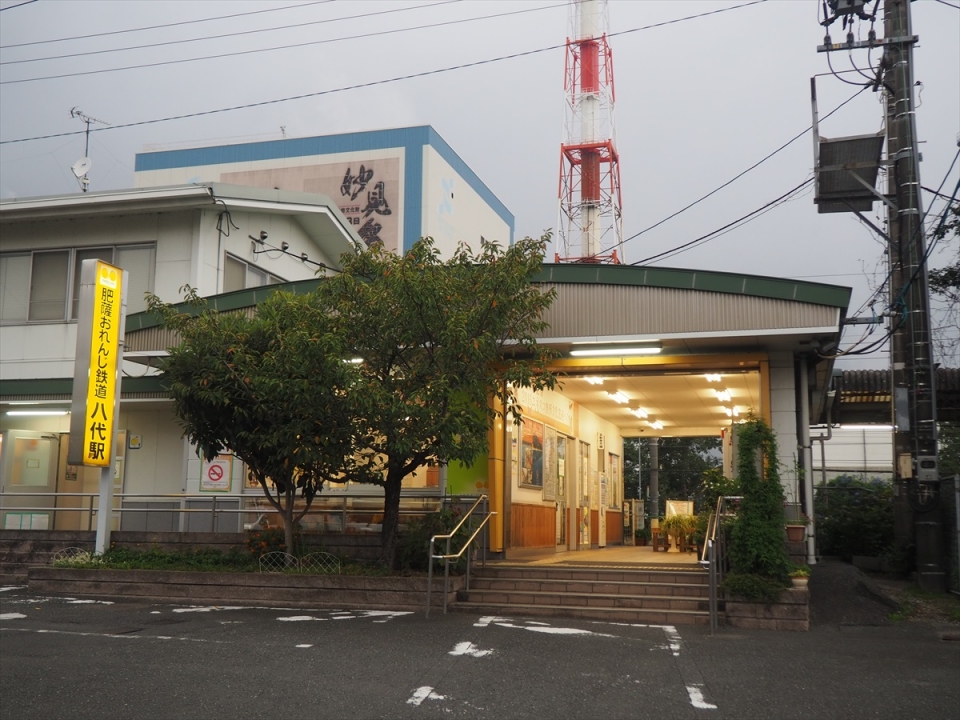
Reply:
x=643, y=535
x=679, y=527
x=799, y=576
x=797, y=528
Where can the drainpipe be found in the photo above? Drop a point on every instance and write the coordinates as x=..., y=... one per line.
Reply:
x=807, y=450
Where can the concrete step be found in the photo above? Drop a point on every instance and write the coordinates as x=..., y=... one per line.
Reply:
x=588, y=600
x=622, y=615
x=600, y=575
x=684, y=589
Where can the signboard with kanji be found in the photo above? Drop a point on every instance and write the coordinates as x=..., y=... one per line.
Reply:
x=96, y=381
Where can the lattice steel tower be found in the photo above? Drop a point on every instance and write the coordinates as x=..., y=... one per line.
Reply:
x=590, y=227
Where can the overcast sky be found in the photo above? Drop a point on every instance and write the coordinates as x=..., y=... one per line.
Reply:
x=698, y=102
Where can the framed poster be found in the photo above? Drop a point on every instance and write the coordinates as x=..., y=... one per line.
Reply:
x=550, y=464
x=531, y=454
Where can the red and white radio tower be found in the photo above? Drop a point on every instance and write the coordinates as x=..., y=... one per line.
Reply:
x=590, y=227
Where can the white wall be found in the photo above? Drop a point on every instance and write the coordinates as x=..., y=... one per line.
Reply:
x=157, y=466
x=783, y=417
x=464, y=217
x=854, y=451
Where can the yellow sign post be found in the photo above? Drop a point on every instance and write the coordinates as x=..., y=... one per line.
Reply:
x=96, y=380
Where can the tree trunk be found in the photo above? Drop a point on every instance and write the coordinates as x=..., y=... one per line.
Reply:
x=287, y=516
x=391, y=520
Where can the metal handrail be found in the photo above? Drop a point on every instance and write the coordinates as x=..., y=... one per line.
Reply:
x=448, y=556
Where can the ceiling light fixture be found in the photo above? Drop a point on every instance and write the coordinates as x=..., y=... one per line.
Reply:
x=619, y=397
x=640, y=413
x=712, y=377
x=613, y=350
x=723, y=395
x=36, y=413
x=655, y=424
x=594, y=380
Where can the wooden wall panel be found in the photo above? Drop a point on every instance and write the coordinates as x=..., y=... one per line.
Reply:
x=614, y=528
x=532, y=526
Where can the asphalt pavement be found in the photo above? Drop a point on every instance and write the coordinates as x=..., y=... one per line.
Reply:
x=74, y=658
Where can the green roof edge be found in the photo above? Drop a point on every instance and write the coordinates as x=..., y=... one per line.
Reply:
x=638, y=276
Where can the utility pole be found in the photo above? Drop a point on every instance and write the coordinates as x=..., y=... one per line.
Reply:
x=847, y=170
x=912, y=371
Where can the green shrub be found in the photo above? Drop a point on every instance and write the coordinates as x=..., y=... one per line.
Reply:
x=414, y=544
x=155, y=559
x=752, y=587
x=854, y=517
x=266, y=539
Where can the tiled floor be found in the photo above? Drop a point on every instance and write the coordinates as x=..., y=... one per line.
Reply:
x=613, y=555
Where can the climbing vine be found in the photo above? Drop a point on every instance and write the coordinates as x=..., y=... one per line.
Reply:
x=756, y=539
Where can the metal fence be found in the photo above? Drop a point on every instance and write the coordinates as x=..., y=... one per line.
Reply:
x=353, y=513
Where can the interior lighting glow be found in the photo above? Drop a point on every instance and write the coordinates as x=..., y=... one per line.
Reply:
x=723, y=395
x=619, y=397
x=35, y=413
x=594, y=380
x=610, y=351
x=640, y=413
x=712, y=378
x=655, y=424
x=732, y=412
x=886, y=428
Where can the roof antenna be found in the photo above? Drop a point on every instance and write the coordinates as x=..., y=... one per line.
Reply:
x=82, y=166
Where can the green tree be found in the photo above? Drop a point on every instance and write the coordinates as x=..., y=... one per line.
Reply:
x=272, y=389
x=683, y=462
x=944, y=285
x=438, y=340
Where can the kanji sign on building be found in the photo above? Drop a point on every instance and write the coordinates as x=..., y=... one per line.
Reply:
x=95, y=383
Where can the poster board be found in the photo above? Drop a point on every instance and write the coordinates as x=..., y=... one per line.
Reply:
x=550, y=465
x=531, y=454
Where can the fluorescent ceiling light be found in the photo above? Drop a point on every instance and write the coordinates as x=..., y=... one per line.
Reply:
x=619, y=397
x=732, y=412
x=594, y=380
x=712, y=377
x=37, y=412
x=886, y=428
x=656, y=424
x=723, y=395
x=640, y=413
x=610, y=351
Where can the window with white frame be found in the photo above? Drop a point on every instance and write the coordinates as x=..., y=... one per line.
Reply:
x=44, y=285
x=240, y=275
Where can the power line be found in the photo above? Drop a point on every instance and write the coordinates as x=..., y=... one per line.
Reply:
x=709, y=235
x=158, y=27
x=372, y=83
x=282, y=47
x=11, y=7
x=225, y=35
x=735, y=177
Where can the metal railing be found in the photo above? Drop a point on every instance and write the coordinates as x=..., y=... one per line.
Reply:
x=337, y=513
x=714, y=555
x=448, y=555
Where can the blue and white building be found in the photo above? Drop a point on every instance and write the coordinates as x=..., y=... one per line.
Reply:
x=393, y=186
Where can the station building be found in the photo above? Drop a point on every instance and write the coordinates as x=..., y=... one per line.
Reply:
x=642, y=351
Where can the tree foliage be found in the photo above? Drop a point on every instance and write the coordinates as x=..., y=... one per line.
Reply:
x=432, y=337
x=272, y=389
x=944, y=284
x=855, y=516
x=684, y=462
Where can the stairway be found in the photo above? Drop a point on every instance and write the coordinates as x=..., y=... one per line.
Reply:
x=650, y=595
